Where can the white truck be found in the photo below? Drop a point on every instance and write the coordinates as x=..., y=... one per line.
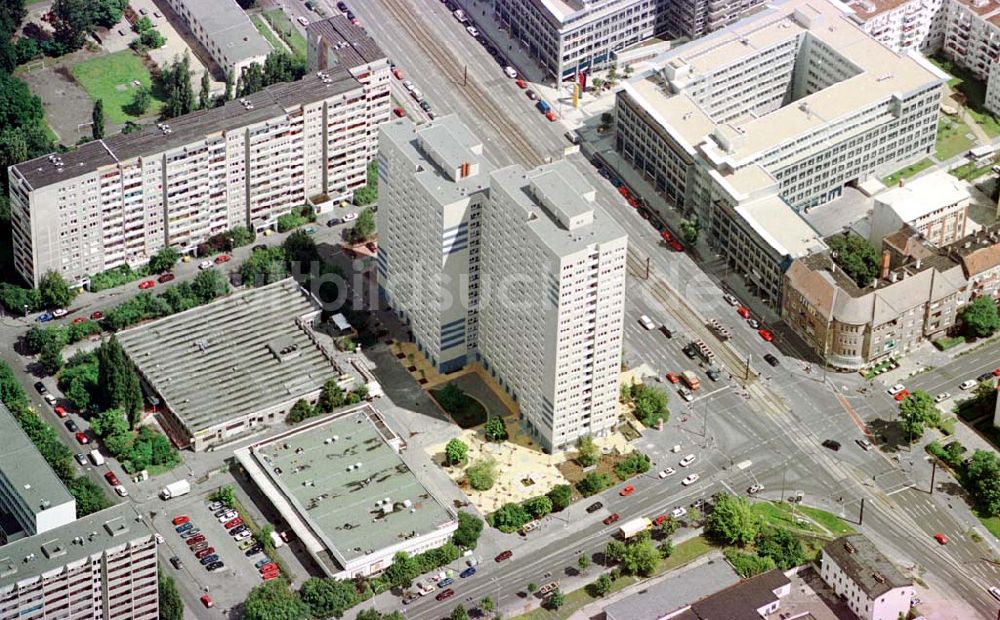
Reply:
x=176, y=489
x=96, y=457
x=631, y=528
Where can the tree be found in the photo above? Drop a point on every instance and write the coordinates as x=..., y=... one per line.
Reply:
x=487, y=604
x=555, y=599
x=251, y=80
x=693, y=516
x=561, y=496
x=668, y=527
x=175, y=80
x=614, y=551
x=228, y=96
x=55, y=292
x=369, y=193
x=208, y=285
x=204, y=93
x=18, y=107
x=72, y=20
x=602, y=586
x=732, y=521
x=690, y=228
x=856, y=256
x=143, y=24
x=482, y=474
x=141, y=99
x=531, y=587
x=164, y=259
x=274, y=600
x=456, y=451
x=300, y=249
x=149, y=40
x=640, y=558
x=592, y=483
x=107, y=13
x=97, y=119
x=496, y=430
x=112, y=428
x=983, y=474
x=469, y=528
x=301, y=410
x=119, y=381
x=328, y=597
x=538, y=507
x=171, y=605
x=587, y=451
x=980, y=318
x=666, y=548
x=450, y=397
x=781, y=546
x=280, y=66
x=650, y=404
x=509, y=517
x=364, y=227
x=583, y=562
x=265, y=539
x=25, y=49
x=459, y=613
x=917, y=411
x=226, y=495
x=331, y=396
x=51, y=359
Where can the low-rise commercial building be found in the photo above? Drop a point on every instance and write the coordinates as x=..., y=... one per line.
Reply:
x=225, y=31
x=342, y=487
x=33, y=500
x=100, y=566
x=117, y=201
x=235, y=365
x=935, y=206
x=869, y=582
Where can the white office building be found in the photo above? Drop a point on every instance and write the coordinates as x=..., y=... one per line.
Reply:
x=795, y=100
x=432, y=187
x=519, y=271
x=117, y=201
x=935, y=206
x=225, y=31
x=870, y=584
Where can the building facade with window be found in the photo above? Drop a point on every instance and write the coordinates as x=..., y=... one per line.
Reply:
x=935, y=206
x=225, y=31
x=869, y=582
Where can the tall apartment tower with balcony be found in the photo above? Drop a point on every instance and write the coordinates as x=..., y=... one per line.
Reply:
x=117, y=201
x=697, y=18
x=552, y=298
x=432, y=188
x=100, y=566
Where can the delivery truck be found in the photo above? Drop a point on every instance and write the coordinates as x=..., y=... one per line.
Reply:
x=631, y=528
x=176, y=489
x=691, y=380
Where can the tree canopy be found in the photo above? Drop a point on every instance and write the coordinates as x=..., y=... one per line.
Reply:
x=917, y=411
x=482, y=474
x=732, y=521
x=980, y=318
x=456, y=451
x=856, y=256
x=55, y=291
x=328, y=597
x=274, y=600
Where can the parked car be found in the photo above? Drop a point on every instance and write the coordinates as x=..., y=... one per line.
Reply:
x=531, y=94
x=71, y=426
x=44, y=317
x=184, y=527
x=121, y=491
x=469, y=572
x=628, y=490
x=60, y=411
x=81, y=458
x=896, y=389
x=146, y=284
x=81, y=438
x=743, y=312
x=673, y=377
x=166, y=277
x=254, y=550
x=222, y=258
x=731, y=300
x=687, y=460
x=40, y=387
x=195, y=540
x=206, y=600
x=191, y=533
x=445, y=594
x=506, y=555
x=690, y=480
x=942, y=397
x=967, y=385
x=96, y=315
x=399, y=112
x=229, y=515
x=233, y=523
x=243, y=535
x=678, y=512
x=766, y=334
x=755, y=489
x=350, y=217
x=79, y=319
x=771, y=359
x=216, y=566
x=941, y=538
x=59, y=313
x=864, y=443
x=239, y=529
x=901, y=395
x=831, y=444
x=666, y=473
x=111, y=478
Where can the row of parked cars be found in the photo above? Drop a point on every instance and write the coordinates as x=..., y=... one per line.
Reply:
x=198, y=544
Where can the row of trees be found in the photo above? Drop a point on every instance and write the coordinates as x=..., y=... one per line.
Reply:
x=754, y=546
x=331, y=397
x=511, y=516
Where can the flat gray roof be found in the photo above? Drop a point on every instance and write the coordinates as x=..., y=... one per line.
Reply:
x=272, y=102
x=865, y=565
x=225, y=23
x=675, y=591
x=84, y=538
x=353, y=45
x=234, y=356
x=336, y=474
x=28, y=473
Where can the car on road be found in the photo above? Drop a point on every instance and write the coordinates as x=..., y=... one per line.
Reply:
x=831, y=444
x=967, y=385
x=941, y=538
x=195, y=540
x=896, y=389
x=166, y=277
x=731, y=300
x=444, y=583
x=81, y=458
x=755, y=488
x=469, y=572
x=686, y=394
x=96, y=315
x=691, y=479
x=901, y=395
x=687, y=460
x=233, y=523
x=205, y=264
x=864, y=443
x=771, y=359
x=646, y=322
x=713, y=374
x=111, y=478
x=399, y=112
x=40, y=387
x=445, y=594
x=350, y=217
x=743, y=312
x=673, y=377
x=628, y=490
x=222, y=258
x=176, y=562
x=60, y=411
x=146, y=284
x=689, y=352
x=44, y=317
x=611, y=518
x=666, y=331
x=766, y=334
x=995, y=592
x=678, y=512
x=943, y=396
x=752, y=322
x=71, y=426
x=595, y=507
x=204, y=552
x=184, y=527
x=83, y=439
x=666, y=473
x=121, y=491
x=206, y=600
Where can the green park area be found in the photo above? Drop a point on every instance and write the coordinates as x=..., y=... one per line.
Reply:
x=112, y=78
x=287, y=31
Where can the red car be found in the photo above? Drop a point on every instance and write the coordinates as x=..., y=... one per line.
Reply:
x=766, y=335
x=445, y=594
x=673, y=378
x=623, y=191
x=206, y=600
x=111, y=478
x=633, y=202
x=399, y=112
x=83, y=439
x=611, y=518
x=504, y=556
x=941, y=538
x=233, y=523
x=676, y=246
x=996, y=373
x=203, y=552
x=628, y=490
x=146, y=284
x=900, y=396
x=180, y=519
x=743, y=312
x=166, y=277
x=521, y=83
x=551, y=116
x=79, y=319
x=60, y=411
x=222, y=258
x=396, y=72
x=659, y=519
x=667, y=236
x=194, y=540
x=269, y=576
x=96, y=316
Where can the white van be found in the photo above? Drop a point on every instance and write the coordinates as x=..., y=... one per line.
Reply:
x=96, y=457
x=511, y=72
x=646, y=322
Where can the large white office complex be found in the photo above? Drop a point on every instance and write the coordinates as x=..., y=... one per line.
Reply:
x=100, y=566
x=518, y=271
x=117, y=201
x=225, y=31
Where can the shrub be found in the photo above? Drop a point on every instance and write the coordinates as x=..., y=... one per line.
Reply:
x=561, y=497
x=508, y=518
x=747, y=564
x=482, y=475
x=635, y=463
x=593, y=483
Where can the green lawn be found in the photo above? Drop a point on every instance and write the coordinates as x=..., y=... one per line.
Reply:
x=974, y=91
x=782, y=515
x=952, y=138
x=970, y=171
x=110, y=78
x=828, y=520
x=266, y=32
x=907, y=172
x=990, y=523
x=288, y=32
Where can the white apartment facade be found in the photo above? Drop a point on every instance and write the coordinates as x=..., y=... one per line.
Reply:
x=225, y=31
x=100, y=566
x=432, y=185
x=913, y=25
x=935, y=206
x=795, y=99
x=552, y=270
x=861, y=575
x=117, y=201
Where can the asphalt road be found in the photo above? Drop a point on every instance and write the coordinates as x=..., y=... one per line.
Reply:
x=947, y=378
